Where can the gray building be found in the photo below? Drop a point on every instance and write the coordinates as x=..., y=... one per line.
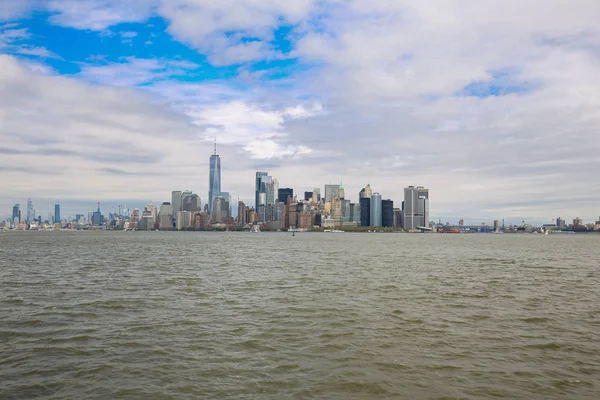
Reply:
x=190, y=202
x=376, y=210
x=30, y=211
x=416, y=207
x=219, y=210
x=176, y=200
x=57, y=213
x=355, y=212
x=330, y=191
x=346, y=213
x=165, y=216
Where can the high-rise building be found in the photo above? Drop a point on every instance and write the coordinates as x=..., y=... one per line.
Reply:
x=315, y=197
x=151, y=214
x=30, y=212
x=376, y=209
x=365, y=211
x=271, y=189
x=227, y=198
x=416, y=207
x=336, y=211
x=346, y=214
x=214, y=180
x=165, y=216
x=16, y=214
x=308, y=196
x=184, y=219
x=97, y=218
x=577, y=222
x=341, y=192
x=190, y=202
x=199, y=220
x=387, y=213
x=397, y=218
x=219, y=210
x=57, y=213
x=560, y=223
x=366, y=192
x=242, y=214
x=135, y=216
x=283, y=193
x=496, y=225
x=260, y=175
x=176, y=200
x=355, y=212
x=330, y=192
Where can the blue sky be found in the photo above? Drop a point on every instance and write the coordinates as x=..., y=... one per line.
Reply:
x=493, y=106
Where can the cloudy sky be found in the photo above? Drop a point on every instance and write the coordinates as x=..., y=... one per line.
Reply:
x=494, y=105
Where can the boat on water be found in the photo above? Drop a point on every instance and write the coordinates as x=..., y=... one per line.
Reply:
x=448, y=231
x=333, y=231
x=255, y=229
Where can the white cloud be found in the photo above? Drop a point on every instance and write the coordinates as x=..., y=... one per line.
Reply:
x=11, y=10
x=260, y=131
x=134, y=71
x=220, y=29
x=80, y=134
x=37, y=51
x=98, y=14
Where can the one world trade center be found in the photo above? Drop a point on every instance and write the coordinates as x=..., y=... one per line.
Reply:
x=214, y=178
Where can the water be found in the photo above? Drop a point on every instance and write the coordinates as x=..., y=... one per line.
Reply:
x=96, y=315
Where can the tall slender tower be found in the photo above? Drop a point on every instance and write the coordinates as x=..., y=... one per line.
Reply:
x=30, y=211
x=214, y=178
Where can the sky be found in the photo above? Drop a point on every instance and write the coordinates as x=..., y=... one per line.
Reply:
x=492, y=105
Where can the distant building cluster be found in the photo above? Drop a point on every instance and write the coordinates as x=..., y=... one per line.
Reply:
x=274, y=208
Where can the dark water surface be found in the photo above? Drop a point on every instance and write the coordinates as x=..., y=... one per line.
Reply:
x=99, y=315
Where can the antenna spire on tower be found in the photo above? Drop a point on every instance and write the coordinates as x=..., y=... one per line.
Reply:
x=215, y=153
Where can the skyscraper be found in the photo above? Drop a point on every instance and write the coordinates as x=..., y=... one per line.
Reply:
x=214, y=180
x=355, y=212
x=176, y=200
x=376, y=210
x=257, y=187
x=330, y=191
x=366, y=192
x=191, y=203
x=416, y=207
x=165, y=216
x=57, y=213
x=220, y=210
x=283, y=193
x=341, y=192
x=387, y=213
x=365, y=205
x=272, y=192
x=16, y=214
x=242, y=217
x=365, y=211
x=30, y=212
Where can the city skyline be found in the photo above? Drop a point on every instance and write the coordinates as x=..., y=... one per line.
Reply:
x=493, y=108
x=335, y=209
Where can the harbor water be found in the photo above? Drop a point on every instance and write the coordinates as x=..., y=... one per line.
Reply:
x=191, y=315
